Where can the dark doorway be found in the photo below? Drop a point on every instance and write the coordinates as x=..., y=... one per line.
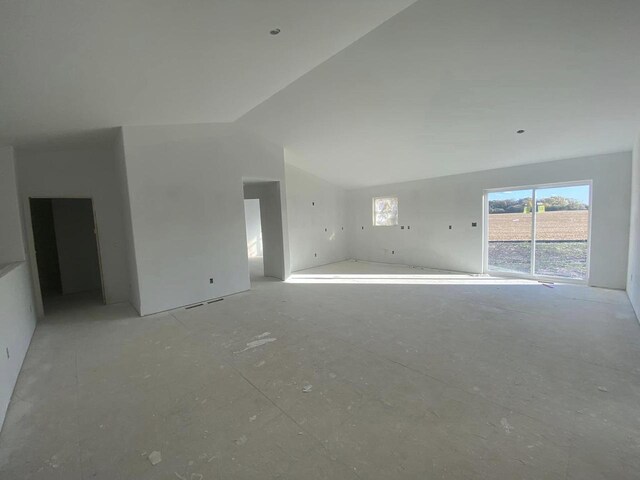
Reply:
x=44, y=239
x=66, y=247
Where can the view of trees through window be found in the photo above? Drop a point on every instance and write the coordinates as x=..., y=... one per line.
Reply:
x=385, y=211
x=560, y=246
x=549, y=204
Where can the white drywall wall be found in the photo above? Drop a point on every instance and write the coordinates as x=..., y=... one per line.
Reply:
x=17, y=322
x=132, y=265
x=185, y=187
x=315, y=205
x=430, y=206
x=254, y=230
x=633, y=280
x=11, y=243
x=17, y=310
x=76, y=245
x=81, y=174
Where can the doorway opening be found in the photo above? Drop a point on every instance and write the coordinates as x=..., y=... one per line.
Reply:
x=254, y=237
x=66, y=249
x=263, y=221
x=540, y=231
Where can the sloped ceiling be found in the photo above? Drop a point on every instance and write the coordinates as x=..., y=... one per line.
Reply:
x=442, y=88
x=72, y=68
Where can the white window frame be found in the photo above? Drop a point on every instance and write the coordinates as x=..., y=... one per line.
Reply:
x=373, y=210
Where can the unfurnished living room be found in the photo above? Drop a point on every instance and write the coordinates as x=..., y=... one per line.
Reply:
x=319, y=239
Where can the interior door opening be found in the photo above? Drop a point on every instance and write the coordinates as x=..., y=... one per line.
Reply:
x=254, y=237
x=66, y=251
x=539, y=231
x=263, y=220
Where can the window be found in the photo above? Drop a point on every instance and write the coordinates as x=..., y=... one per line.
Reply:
x=540, y=231
x=385, y=211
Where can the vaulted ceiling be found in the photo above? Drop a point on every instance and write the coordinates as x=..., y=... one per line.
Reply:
x=72, y=67
x=362, y=92
x=442, y=88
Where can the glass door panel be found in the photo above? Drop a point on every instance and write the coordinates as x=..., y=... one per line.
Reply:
x=510, y=230
x=562, y=231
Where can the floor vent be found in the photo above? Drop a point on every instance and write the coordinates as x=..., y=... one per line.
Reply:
x=193, y=306
x=216, y=300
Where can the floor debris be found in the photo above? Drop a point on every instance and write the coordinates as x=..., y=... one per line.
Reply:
x=257, y=343
x=506, y=426
x=307, y=388
x=603, y=389
x=155, y=457
x=242, y=440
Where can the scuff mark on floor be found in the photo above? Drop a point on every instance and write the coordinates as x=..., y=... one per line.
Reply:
x=256, y=344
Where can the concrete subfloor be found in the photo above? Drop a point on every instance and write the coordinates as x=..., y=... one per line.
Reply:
x=496, y=381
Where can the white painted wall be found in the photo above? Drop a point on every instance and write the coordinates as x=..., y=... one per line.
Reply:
x=430, y=206
x=633, y=280
x=254, y=230
x=76, y=245
x=185, y=187
x=11, y=243
x=315, y=205
x=88, y=173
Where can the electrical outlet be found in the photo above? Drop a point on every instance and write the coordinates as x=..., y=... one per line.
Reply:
x=315, y=254
x=313, y=204
x=449, y=227
x=402, y=227
x=474, y=224
x=393, y=252
x=211, y=280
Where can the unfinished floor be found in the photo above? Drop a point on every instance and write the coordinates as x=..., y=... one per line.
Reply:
x=350, y=379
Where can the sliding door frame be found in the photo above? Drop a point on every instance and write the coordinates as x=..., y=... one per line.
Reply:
x=534, y=212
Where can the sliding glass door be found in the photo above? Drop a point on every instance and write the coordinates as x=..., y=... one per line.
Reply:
x=510, y=231
x=540, y=231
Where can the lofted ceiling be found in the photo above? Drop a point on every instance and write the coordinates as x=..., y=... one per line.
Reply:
x=73, y=68
x=360, y=92
x=442, y=87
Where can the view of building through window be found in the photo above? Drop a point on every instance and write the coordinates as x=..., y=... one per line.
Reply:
x=385, y=211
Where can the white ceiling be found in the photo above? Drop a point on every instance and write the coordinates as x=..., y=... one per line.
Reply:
x=439, y=88
x=70, y=68
x=442, y=87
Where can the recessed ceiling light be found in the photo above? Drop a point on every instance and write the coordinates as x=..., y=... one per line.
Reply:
x=520, y=131
x=275, y=31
